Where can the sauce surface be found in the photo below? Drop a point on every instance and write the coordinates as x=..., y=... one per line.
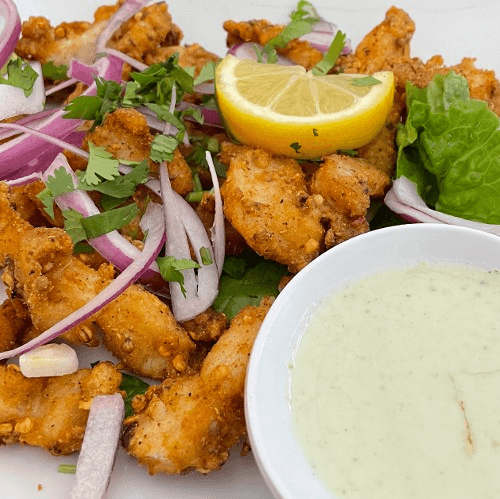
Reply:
x=395, y=389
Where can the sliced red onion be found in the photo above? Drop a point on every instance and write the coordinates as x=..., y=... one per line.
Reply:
x=204, y=88
x=17, y=154
x=321, y=37
x=82, y=72
x=210, y=115
x=52, y=359
x=28, y=179
x=10, y=32
x=403, y=198
x=112, y=246
x=201, y=287
x=155, y=227
x=30, y=120
x=13, y=102
x=100, y=442
x=218, y=234
x=248, y=50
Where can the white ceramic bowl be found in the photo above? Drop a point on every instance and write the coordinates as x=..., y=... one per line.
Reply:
x=277, y=451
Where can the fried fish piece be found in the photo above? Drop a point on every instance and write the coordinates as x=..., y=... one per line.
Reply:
x=192, y=422
x=261, y=31
x=51, y=412
x=347, y=185
x=266, y=200
x=138, y=328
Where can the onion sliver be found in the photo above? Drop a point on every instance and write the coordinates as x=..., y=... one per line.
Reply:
x=322, y=35
x=154, y=224
x=17, y=153
x=112, y=246
x=11, y=30
x=100, y=442
x=182, y=223
x=248, y=50
x=49, y=360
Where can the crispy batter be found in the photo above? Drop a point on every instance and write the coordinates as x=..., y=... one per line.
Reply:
x=14, y=320
x=51, y=412
x=192, y=422
x=266, y=200
x=261, y=31
x=207, y=326
x=146, y=31
x=346, y=184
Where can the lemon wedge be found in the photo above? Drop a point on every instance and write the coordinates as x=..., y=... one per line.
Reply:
x=290, y=111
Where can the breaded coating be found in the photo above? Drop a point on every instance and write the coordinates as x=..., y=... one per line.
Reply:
x=207, y=326
x=261, y=31
x=142, y=34
x=14, y=321
x=139, y=329
x=346, y=185
x=51, y=412
x=180, y=174
x=192, y=422
x=24, y=200
x=267, y=202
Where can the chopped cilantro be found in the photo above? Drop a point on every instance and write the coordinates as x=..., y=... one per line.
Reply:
x=295, y=146
x=315, y=132
x=331, y=56
x=101, y=165
x=349, y=152
x=163, y=148
x=132, y=386
x=367, y=81
x=81, y=228
x=207, y=73
x=198, y=158
x=82, y=248
x=206, y=257
x=171, y=267
x=68, y=469
x=53, y=72
x=20, y=75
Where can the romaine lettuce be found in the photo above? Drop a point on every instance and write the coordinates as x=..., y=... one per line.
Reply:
x=450, y=148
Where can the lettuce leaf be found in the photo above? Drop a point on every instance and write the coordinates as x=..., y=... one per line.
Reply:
x=450, y=148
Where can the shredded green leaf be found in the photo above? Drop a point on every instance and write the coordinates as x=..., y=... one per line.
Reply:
x=68, y=469
x=295, y=146
x=367, y=81
x=206, y=257
x=101, y=165
x=163, y=148
x=331, y=56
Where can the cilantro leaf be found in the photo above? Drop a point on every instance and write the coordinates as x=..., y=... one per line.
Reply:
x=367, y=81
x=248, y=288
x=20, y=75
x=295, y=146
x=171, y=267
x=85, y=107
x=305, y=11
x=132, y=386
x=53, y=72
x=101, y=165
x=206, y=257
x=163, y=148
x=55, y=185
x=331, y=56
x=81, y=228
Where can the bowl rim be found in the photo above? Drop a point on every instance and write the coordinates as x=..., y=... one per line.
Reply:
x=267, y=399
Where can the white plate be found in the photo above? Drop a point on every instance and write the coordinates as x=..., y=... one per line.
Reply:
x=453, y=28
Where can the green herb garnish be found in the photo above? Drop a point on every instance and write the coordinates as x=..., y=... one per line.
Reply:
x=132, y=386
x=171, y=269
x=366, y=81
x=53, y=72
x=20, y=75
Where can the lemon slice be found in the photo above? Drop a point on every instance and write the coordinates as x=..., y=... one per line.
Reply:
x=288, y=110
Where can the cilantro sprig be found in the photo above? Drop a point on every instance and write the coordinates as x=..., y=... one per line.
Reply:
x=171, y=269
x=20, y=74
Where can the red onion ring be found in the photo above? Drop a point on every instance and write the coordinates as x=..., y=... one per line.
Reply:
x=11, y=30
x=153, y=222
